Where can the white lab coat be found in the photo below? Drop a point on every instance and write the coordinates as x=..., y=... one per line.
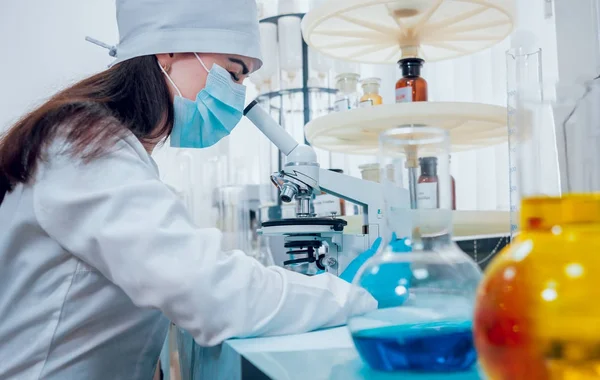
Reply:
x=94, y=256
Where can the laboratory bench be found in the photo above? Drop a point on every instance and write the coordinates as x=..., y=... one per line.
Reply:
x=321, y=355
x=325, y=354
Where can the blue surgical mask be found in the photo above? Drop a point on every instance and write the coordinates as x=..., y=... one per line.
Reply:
x=218, y=108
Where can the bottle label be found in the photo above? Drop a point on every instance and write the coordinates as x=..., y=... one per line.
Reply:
x=427, y=195
x=366, y=103
x=326, y=204
x=404, y=95
x=342, y=105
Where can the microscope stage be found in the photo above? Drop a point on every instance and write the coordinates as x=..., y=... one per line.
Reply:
x=303, y=226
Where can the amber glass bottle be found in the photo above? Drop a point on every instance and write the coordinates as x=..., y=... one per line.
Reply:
x=427, y=187
x=411, y=87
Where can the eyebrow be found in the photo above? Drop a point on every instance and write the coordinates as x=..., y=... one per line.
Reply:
x=241, y=63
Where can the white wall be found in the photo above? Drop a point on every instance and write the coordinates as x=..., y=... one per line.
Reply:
x=43, y=48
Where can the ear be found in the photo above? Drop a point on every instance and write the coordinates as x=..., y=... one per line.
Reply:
x=165, y=60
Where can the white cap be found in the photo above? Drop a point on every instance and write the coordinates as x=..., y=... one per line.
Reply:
x=149, y=27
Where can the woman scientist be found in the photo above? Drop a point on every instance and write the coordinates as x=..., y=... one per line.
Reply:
x=96, y=254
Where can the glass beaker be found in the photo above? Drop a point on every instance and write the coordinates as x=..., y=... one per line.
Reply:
x=536, y=315
x=424, y=284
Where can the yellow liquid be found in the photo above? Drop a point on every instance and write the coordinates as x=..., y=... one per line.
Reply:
x=375, y=99
x=538, y=308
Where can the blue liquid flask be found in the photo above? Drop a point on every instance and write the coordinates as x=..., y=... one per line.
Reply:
x=429, y=347
x=424, y=319
x=424, y=284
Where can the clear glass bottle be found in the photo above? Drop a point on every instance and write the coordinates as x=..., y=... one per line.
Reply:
x=411, y=87
x=424, y=284
x=537, y=313
x=371, y=95
x=347, y=95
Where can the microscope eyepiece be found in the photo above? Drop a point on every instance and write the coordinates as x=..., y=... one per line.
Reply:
x=249, y=107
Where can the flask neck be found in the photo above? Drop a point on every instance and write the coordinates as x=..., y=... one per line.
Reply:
x=548, y=213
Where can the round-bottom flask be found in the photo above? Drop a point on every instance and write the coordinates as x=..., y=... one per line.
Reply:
x=537, y=315
x=424, y=284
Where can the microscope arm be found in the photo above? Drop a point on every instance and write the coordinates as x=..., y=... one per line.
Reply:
x=305, y=170
x=365, y=193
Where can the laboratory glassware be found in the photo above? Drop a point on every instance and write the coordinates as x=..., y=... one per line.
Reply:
x=320, y=101
x=424, y=284
x=411, y=87
x=453, y=187
x=321, y=65
x=536, y=313
x=234, y=218
x=370, y=172
x=290, y=46
x=427, y=185
x=524, y=70
x=347, y=95
x=270, y=50
x=371, y=96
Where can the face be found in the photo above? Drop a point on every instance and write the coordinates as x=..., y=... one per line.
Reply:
x=189, y=75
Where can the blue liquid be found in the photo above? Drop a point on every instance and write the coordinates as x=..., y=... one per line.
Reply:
x=426, y=347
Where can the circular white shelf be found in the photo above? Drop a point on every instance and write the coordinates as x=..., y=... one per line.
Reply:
x=480, y=223
x=471, y=125
x=465, y=223
x=384, y=31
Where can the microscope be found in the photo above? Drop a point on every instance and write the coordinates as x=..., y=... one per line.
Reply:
x=306, y=235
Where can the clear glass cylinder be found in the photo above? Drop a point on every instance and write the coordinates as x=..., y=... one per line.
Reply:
x=577, y=125
x=234, y=218
x=424, y=284
x=290, y=46
x=420, y=154
x=524, y=79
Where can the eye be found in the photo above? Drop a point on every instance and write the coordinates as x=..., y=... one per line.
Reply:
x=234, y=76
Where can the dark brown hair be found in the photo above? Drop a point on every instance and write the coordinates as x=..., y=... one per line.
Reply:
x=91, y=114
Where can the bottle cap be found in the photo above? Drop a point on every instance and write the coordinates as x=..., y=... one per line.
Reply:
x=347, y=82
x=371, y=85
x=370, y=81
x=347, y=77
x=369, y=167
x=411, y=67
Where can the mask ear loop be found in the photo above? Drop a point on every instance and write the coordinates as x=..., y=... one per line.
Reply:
x=202, y=63
x=169, y=79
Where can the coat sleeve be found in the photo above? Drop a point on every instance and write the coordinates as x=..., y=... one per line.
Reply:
x=117, y=216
